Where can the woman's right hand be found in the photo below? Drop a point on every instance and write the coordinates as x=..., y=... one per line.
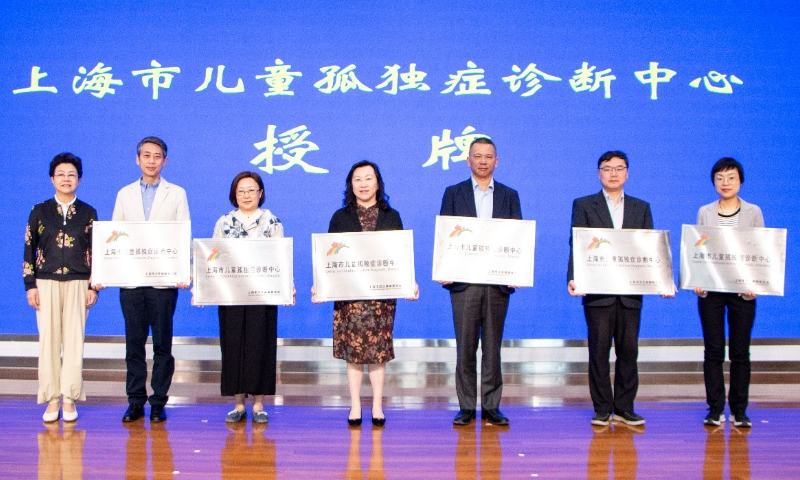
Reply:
x=700, y=292
x=33, y=297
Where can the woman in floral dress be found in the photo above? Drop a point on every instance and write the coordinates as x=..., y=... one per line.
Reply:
x=56, y=268
x=362, y=329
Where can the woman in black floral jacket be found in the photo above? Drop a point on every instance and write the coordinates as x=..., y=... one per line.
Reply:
x=56, y=268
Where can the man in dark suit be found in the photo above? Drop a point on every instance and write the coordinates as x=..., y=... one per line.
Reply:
x=479, y=311
x=610, y=317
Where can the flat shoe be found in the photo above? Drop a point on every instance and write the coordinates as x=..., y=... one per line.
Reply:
x=69, y=416
x=157, y=414
x=134, y=412
x=464, y=417
x=494, y=416
x=235, y=416
x=51, y=417
x=260, y=417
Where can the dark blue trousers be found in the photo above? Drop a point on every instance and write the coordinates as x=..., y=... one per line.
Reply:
x=619, y=324
x=146, y=309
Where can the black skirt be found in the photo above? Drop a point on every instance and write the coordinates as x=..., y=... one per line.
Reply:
x=248, y=338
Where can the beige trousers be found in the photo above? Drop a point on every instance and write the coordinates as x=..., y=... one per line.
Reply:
x=62, y=322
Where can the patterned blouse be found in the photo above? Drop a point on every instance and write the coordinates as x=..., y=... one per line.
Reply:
x=262, y=224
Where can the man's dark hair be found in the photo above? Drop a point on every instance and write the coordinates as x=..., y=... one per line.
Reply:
x=235, y=185
x=66, y=157
x=725, y=164
x=485, y=140
x=153, y=140
x=350, y=202
x=609, y=155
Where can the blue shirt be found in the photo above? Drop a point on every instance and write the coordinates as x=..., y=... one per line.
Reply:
x=148, y=195
x=484, y=201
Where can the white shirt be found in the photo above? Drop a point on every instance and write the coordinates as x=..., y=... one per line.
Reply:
x=65, y=206
x=617, y=211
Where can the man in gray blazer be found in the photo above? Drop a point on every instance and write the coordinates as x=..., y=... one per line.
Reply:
x=610, y=317
x=479, y=311
x=150, y=198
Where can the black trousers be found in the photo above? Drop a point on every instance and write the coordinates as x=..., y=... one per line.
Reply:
x=479, y=313
x=248, y=341
x=145, y=309
x=620, y=324
x=741, y=316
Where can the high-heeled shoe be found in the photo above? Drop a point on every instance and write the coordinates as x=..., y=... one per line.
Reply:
x=353, y=422
x=378, y=422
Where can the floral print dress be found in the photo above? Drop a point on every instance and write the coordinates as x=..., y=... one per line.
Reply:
x=362, y=329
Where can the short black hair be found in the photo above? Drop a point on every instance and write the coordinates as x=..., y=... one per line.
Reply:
x=350, y=201
x=153, y=140
x=727, y=163
x=66, y=157
x=485, y=140
x=611, y=154
x=235, y=184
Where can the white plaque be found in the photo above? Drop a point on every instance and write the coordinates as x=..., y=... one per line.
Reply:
x=734, y=260
x=363, y=265
x=484, y=250
x=237, y=271
x=141, y=254
x=622, y=261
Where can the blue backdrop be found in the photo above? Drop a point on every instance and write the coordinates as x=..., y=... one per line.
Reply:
x=298, y=87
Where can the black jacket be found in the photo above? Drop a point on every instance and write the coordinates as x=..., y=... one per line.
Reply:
x=459, y=201
x=592, y=212
x=345, y=220
x=58, y=249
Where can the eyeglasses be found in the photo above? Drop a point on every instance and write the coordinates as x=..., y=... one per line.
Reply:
x=729, y=180
x=247, y=193
x=619, y=169
x=62, y=176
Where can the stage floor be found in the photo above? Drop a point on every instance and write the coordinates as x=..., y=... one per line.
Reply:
x=418, y=441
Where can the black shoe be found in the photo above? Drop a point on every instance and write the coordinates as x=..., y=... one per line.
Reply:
x=464, y=417
x=714, y=419
x=628, y=418
x=353, y=422
x=494, y=416
x=134, y=412
x=740, y=420
x=157, y=414
x=601, y=419
x=379, y=422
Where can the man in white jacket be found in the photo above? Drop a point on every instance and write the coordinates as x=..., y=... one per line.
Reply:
x=150, y=198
